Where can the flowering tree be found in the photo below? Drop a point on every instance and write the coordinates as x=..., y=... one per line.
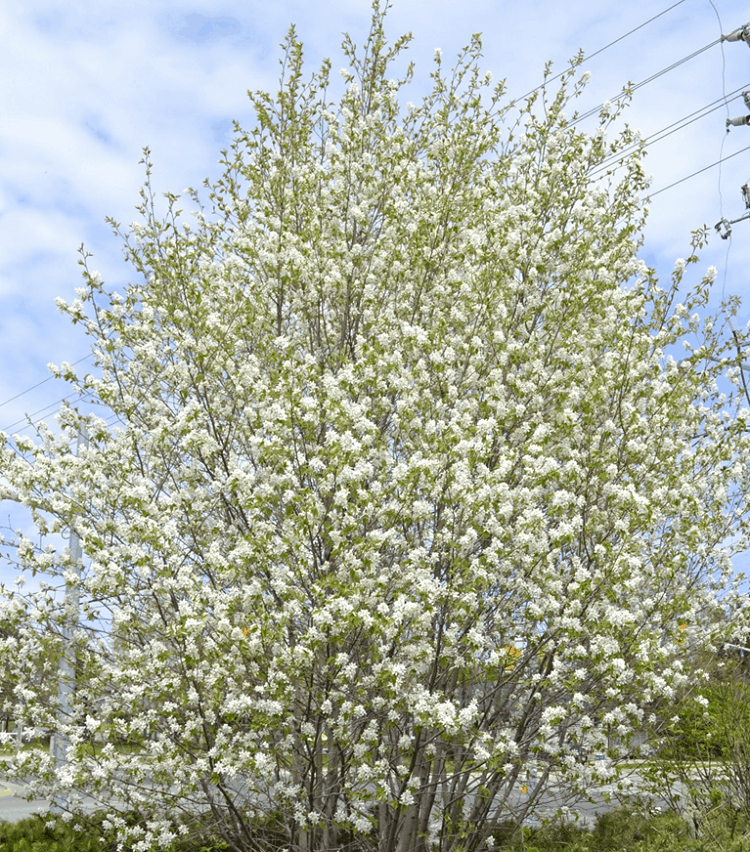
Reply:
x=398, y=500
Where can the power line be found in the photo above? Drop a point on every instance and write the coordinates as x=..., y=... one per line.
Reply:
x=43, y=382
x=680, y=124
x=606, y=47
x=635, y=29
x=53, y=405
x=631, y=89
x=706, y=168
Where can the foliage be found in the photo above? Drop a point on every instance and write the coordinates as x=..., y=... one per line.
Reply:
x=50, y=834
x=616, y=831
x=623, y=830
x=399, y=499
x=705, y=755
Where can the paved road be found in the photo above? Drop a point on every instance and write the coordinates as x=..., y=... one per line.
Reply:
x=13, y=808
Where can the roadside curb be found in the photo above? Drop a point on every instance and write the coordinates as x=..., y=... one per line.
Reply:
x=10, y=788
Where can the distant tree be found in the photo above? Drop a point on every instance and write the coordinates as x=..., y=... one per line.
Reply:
x=403, y=486
x=702, y=764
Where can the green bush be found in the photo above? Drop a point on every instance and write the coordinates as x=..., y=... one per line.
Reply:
x=36, y=834
x=629, y=828
x=624, y=830
x=706, y=750
x=52, y=834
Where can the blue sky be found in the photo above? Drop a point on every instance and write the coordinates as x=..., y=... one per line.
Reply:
x=85, y=86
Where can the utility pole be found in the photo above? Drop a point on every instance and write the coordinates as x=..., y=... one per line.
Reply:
x=66, y=681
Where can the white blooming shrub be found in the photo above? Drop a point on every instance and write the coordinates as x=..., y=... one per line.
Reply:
x=406, y=500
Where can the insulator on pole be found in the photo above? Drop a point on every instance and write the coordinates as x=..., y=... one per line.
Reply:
x=738, y=122
x=724, y=229
x=745, y=190
x=746, y=98
x=724, y=226
x=740, y=34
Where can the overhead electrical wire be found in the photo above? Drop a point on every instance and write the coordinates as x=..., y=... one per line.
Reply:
x=43, y=382
x=53, y=405
x=704, y=169
x=685, y=121
x=724, y=100
x=634, y=30
x=631, y=89
x=667, y=131
x=606, y=47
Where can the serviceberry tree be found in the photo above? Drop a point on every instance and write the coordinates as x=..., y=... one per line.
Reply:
x=404, y=488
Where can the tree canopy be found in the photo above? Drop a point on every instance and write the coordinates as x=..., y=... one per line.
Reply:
x=404, y=491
